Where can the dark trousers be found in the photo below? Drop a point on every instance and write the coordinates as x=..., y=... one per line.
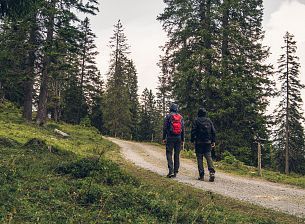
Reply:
x=173, y=146
x=208, y=157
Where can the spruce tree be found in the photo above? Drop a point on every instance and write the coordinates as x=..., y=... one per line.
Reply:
x=164, y=89
x=117, y=113
x=90, y=78
x=74, y=107
x=97, y=108
x=82, y=67
x=149, y=119
x=215, y=55
x=59, y=18
x=46, y=63
x=18, y=51
x=49, y=36
x=289, y=133
x=132, y=85
x=12, y=61
x=245, y=79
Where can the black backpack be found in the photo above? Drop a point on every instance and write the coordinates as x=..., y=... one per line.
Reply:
x=204, y=131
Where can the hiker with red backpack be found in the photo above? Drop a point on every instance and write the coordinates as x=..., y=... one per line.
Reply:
x=203, y=136
x=173, y=137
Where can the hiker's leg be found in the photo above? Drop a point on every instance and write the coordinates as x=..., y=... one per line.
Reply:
x=169, y=156
x=177, y=147
x=208, y=157
x=199, y=157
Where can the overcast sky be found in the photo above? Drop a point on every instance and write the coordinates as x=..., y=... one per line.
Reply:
x=145, y=34
x=143, y=31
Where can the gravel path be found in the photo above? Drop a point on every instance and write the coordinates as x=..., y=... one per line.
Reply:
x=270, y=195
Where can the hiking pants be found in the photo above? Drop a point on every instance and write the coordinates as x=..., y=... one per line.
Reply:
x=173, y=146
x=208, y=157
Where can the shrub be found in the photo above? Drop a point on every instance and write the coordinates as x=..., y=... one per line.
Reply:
x=103, y=171
x=86, y=122
x=7, y=142
x=231, y=159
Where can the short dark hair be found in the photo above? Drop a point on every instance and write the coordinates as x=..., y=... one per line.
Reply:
x=202, y=112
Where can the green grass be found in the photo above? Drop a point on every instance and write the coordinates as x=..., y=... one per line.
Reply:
x=47, y=179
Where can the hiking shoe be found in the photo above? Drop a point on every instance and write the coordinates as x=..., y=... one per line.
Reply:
x=170, y=175
x=212, y=177
x=201, y=178
x=174, y=175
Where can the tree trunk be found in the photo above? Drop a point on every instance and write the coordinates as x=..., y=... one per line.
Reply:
x=28, y=99
x=43, y=96
x=287, y=112
x=29, y=82
x=83, y=72
x=206, y=62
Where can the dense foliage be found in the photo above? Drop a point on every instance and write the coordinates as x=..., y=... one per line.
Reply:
x=215, y=55
x=47, y=54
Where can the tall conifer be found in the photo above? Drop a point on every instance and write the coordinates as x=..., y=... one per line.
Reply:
x=289, y=134
x=117, y=100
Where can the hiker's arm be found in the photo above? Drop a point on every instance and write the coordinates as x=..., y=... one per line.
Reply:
x=164, y=128
x=182, y=131
x=213, y=133
x=193, y=132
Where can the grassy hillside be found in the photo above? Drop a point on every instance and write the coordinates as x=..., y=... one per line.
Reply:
x=47, y=179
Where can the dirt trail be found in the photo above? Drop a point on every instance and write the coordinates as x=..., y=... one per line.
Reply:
x=279, y=197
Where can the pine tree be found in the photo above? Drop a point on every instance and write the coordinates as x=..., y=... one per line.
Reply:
x=28, y=83
x=74, y=107
x=117, y=113
x=245, y=79
x=59, y=19
x=82, y=67
x=132, y=85
x=97, y=108
x=215, y=55
x=49, y=43
x=17, y=61
x=149, y=119
x=164, y=94
x=289, y=134
x=12, y=61
x=46, y=62
x=90, y=79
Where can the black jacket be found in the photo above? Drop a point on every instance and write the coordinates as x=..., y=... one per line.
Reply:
x=195, y=131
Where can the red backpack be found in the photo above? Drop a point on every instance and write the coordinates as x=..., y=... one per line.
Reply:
x=176, y=124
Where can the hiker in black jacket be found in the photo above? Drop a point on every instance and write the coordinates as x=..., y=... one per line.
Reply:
x=173, y=137
x=204, y=136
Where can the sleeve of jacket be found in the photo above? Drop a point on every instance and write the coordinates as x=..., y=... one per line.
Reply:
x=164, y=128
x=183, y=129
x=213, y=132
x=193, y=132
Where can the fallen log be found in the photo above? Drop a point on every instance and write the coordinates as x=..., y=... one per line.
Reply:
x=61, y=133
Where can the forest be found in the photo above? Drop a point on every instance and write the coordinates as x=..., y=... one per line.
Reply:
x=214, y=58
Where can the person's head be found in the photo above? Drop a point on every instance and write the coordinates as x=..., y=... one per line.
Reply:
x=202, y=112
x=173, y=108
